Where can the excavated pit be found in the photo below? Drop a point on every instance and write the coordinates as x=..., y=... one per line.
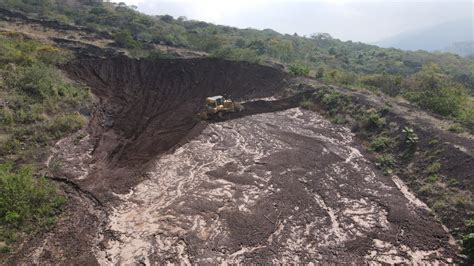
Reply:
x=147, y=107
x=272, y=184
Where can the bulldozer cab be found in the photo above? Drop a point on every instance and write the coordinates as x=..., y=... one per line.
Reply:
x=213, y=103
x=218, y=105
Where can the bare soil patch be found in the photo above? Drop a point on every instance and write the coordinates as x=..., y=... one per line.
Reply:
x=148, y=107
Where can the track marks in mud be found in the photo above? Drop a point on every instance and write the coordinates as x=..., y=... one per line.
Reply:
x=277, y=187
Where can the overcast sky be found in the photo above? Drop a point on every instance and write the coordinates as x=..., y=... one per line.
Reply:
x=366, y=21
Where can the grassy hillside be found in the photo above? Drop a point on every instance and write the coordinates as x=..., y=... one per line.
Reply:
x=391, y=71
x=37, y=107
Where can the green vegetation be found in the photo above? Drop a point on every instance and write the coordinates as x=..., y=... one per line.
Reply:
x=38, y=104
x=27, y=204
x=387, y=163
x=411, y=138
x=124, y=39
x=439, y=82
x=468, y=239
x=306, y=104
x=37, y=107
x=299, y=70
x=431, y=89
x=379, y=143
x=456, y=128
x=334, y=101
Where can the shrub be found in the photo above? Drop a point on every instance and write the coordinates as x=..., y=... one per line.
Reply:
x=319, y=73
x=346, y=78
x=439, y=205
x=243, y=54
x=456, y=128
x=433, y=178
x=386, y=162
x=299, y=70
x=466, y=114
x=65, y=124
x=38, y=81
x=158, y=54
x=379, y=143
x=460, y=199
x=432, y=90
x=17, y=49
x=434, y=168
x=411, y=138
x=388, y=84
x=339, y=119
x=26, y=203
x=125, y=39
x=6, y=116
x=373, y=121
x=306, y=104
x=5, y=250
x=334, y=102
x=468, y=239
x=340, y=76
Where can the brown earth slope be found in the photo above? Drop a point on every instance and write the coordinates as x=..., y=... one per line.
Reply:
x=158, y=185
x=148, y=107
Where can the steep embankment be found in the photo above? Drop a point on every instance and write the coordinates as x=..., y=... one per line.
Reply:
x=148, y=107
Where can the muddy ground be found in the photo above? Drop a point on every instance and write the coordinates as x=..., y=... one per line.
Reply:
x=271, y=188
x=151, y=183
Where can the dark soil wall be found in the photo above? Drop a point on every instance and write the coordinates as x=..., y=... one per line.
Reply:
x=147, y=107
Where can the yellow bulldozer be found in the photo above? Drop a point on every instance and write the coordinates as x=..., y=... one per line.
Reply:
x=217, y=106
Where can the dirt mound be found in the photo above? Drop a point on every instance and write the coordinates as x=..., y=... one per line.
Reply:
x=149, y=106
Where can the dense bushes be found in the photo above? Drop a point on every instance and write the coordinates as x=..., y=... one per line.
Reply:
x=37, y=106
x=299, y=70
x=124, y=39
x=27, y=203
x=389, y=84
x=37, y=100
x=237, y=54
x=391, y=71
x=433, y=90
x=131, y=28
x=468, y=239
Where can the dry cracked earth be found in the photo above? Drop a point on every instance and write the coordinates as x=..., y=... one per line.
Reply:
x=283, y=187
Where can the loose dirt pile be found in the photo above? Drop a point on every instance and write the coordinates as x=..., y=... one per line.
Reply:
x=148, y=107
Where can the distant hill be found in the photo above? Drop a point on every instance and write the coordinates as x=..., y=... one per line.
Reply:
x=461, y=48
x=437, y=37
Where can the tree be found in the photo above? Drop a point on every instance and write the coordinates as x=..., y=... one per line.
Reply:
x=281, y=49
x=240, y=43
x=124, y=39
x=319, y=73
x=167, y=18
x=259, y=46
x=299, y=70
x=433, y=90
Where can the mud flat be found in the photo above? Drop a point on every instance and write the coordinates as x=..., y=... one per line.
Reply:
x=271, y=188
